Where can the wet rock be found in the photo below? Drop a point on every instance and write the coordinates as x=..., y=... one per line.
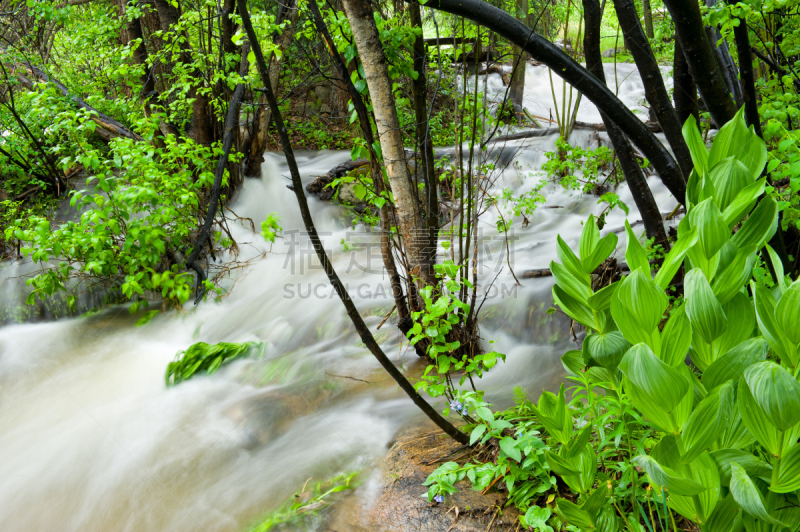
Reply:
x=399, y=505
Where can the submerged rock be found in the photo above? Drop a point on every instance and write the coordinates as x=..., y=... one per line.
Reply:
x=397, y=501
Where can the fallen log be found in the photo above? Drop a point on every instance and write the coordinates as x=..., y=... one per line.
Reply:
x=534, y=133
x=109, y=128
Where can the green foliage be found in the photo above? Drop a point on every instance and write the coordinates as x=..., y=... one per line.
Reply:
x=205, y=357
x=302, y=507
x=712, y=445
x=143, y=205
x=581, y=169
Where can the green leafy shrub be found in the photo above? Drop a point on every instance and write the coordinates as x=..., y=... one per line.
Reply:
x=719, y=445
x=205, y=357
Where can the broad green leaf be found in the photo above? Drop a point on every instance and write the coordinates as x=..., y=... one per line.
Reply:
x=713, y=231
x=789, y=472
x=601, y=299
x=605, y=247
x=744, y=202
x=754, y=155
x=787, y=313
x=730, y=177
x=571, y=262
x=776, y=391
x=579, y=442
x=596, y=500
x=729, y=281
x=645, y=302
x=675, y=338
x=707, y=422
x=697, y=148
x=477, y=433
x=553, y=414
x=702, y=307
x=765, y=307
x=650, y=410
x=635, y=253
x=702, y=471
x=573, y=361
x=741, y=324
x=561, y=466
x=674, y=259
x=663, y=385
x=697, y=188
x=731, y=140
x=509, y=446
x=755, y=467
x=577, y=310
x=726, y=517
x=732, y=364
x=607, y=349
x=569, y=283
x=746, y=494
x=585, y=462
x=755, y=420
x=575, y=515
x=759, y=226
x=589, y=238
x=777, y=265
x=667, y=478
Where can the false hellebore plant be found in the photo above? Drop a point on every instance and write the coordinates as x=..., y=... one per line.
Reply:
x=723, y=446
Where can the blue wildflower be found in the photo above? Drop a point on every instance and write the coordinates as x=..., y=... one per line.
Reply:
x=456, y=405
x=438, y=498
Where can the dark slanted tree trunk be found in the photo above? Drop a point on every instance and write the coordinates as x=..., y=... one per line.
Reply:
x=701, y=59
x=648, y=208
x=258, y=144
x=352, y=311
x=654, y=89
x=748, y=79
x=573, y=73
x=684, y=90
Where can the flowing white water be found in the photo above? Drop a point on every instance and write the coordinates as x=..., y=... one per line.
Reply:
x=91, y=439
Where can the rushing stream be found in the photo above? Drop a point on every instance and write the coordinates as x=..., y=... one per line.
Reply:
x=92, y=440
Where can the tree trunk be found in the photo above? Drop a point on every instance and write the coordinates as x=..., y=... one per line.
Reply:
x=258, y=144
x=202, y=124
x=518, y=65
x=701, y=59
x=647, y=11
x=424, y=141
x=642, y=194
x=726, y=63
x=654, y=89
x=352, y=311
x=404, y=318
x=748, y=79
x=573, y=73
x=684, y=90
x=365, y=35
x=148, y=94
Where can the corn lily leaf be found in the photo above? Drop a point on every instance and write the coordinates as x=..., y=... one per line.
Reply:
x=776, y=391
